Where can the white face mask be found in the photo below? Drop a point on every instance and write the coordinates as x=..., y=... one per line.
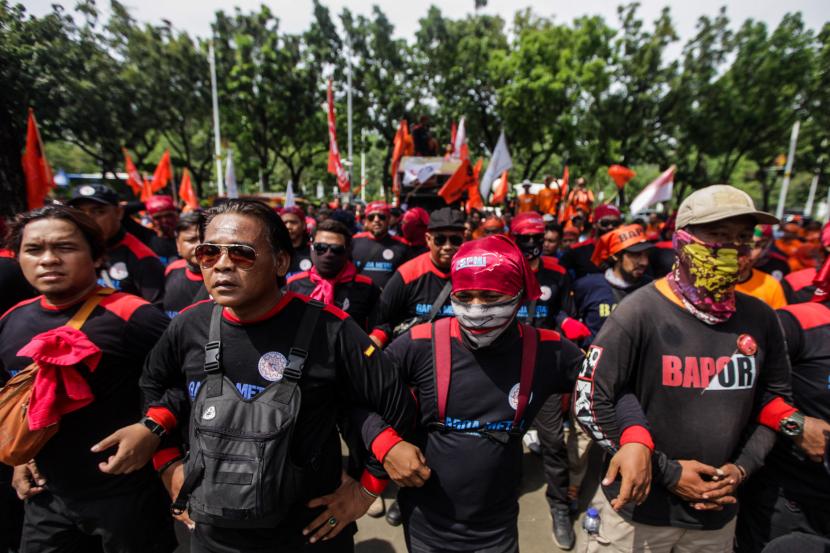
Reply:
x=483, y=323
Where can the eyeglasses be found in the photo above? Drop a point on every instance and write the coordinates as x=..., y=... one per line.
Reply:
x=609, y=223
x=321, y=248
x=240, y=255
x=441, y=239
x=373, y=216
x=529, y=237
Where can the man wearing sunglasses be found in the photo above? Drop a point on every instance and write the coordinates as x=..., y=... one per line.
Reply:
x=333, y=278
x=244, y=245
x=376, y=253
x=413, y=293
x=577, y=259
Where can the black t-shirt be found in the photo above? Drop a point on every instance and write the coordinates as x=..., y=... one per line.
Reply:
x=472, y=494
x=15, y=288
x=577, y=259
x=775, y=264
x=182, y=286
x=595, y=299
x=798, y=286
x=410, y=293
x=132, y=267
x=125, y=328
x=555, y=285
x=378, y=259
x=343, y=369
x=700, y=394
x=300, y=260
x=661, y=259
x=807, y=329
x=359, y=297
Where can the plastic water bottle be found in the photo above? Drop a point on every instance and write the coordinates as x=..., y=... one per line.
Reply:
x=591, y=522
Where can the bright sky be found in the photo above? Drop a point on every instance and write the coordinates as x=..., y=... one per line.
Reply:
x=195, y=16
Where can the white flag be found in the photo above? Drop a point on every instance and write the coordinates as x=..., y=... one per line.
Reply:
x=500, y=162
x=460, y=141
x=289, y=195
x=659, y=190
x=230, y=177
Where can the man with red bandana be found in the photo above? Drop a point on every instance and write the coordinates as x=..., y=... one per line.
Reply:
x=706, y=368
x=295, y=221
x=485, y=404
x=414, y=228
x=162, y=209
x=577, y=259
x=376, y=253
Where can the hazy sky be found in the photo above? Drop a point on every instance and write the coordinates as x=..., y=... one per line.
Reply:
x=195, y=16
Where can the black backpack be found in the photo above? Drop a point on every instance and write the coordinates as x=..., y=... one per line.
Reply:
x=238, y=472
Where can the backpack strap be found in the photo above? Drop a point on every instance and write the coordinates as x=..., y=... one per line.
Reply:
x=298, y=354
x=439, y=301
x=442, y=363
x=531, y=313
x=80, y=316
x=530, y=343
x=213, y=354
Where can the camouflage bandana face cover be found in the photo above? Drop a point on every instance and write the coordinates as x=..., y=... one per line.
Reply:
x=704, y=276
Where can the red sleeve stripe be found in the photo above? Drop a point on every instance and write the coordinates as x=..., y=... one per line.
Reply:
x=372, y=483
x=191, y=306
x=546, y=335
x=551, y=264
x=421, y=332
x=809, y=315
x=336, y=311
x=774, y=412
x=368, y=235
x=296, y=277
x=163, y=416
x=637, y=435
x=139, y=248
x=123, y=305
x=801, y=279
x=363, y=279
x=164, y=456
x=385, y=441
x=382, y=337
x=21, y=304
x=178, y=264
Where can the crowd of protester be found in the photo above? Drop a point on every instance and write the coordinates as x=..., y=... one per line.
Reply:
x=207, y=368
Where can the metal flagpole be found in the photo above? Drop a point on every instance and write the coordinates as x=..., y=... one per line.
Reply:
x=808, y=207
x=363, y=165
x=349, y=104
x=785, y=185
x=217, y=139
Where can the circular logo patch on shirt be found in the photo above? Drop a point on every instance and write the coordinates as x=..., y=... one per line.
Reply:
x=513, y=397
x=388, y=254
x=86, y=191
x=272, y=366
x=305, y=264
x=747, y=344
x=777, y=275
x=119, y=271
x=546, y=293
x=346, y=304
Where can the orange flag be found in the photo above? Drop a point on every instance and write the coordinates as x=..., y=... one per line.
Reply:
x=146, y=190
x=162, y=174
x=134, y=180
x=36, y=168
x=501, y=190
x=621, y=175
x=403, y=146
x=186, y=192
x=460, y=181
x=474, y=200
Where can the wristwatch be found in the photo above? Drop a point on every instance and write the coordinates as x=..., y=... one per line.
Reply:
x=793, y=426
x=153, y=426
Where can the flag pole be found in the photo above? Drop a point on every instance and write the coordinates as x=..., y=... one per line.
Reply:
x=217, y=140
x=808, y=207
x=785, y=185
x=363, y=165
x=349, y=104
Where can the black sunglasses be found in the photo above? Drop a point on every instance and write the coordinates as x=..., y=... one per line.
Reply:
x=321, y=248
x=441, y=239
x=609, y=223
x=529, y=237
x=373, y=216
x=242, y=256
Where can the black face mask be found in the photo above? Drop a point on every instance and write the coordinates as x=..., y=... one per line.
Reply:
x=328, y=264
x=531, y=248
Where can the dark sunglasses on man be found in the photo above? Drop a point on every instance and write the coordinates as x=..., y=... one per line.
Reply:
x=321, y=248
x=241, y=255
x=373, y=216
x=441, y=239
x=608, y=223
x=528, y=238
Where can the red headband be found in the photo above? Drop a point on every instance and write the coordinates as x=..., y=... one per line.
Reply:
x=157, y=204
x=377, y=207
x=605, y=210
x=528, y=222
x=493, y=263
x=294, y=210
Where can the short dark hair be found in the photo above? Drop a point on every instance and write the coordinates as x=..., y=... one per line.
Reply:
x=89, y=228
x=189, y=220
x=553, y=227
x=332, y=225
x=276, y=232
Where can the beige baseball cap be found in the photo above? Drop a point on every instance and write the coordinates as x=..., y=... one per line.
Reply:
x=718, y=202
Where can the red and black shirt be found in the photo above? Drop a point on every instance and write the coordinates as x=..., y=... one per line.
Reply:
x=125, y=328
x=798, y=286
x=132, y=267
x=554, y=282
x=358, y=297
x=182, y=286
x=300, y=260
x=378, y=259
x=14, y=285
x=577, y=259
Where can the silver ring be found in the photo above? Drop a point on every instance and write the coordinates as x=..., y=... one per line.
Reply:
x=332, y=521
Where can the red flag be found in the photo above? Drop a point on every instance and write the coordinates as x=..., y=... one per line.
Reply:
x=134, y=179
x=402, y=146
x=563, y=196
x=500, y=193
x=621, y=175
x=186, y=192
x=455, y=186
x=163, y=173
x=474, y=200
x=146, y=190
x=335, y=165
x=36, y=168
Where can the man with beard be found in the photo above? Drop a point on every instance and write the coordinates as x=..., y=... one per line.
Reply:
x=130, y=266
x=480, y=378
x=376, y=253
x=183, y=284
x=294, y=219
x=333, y=278
x=577, y=259
x=624, y=255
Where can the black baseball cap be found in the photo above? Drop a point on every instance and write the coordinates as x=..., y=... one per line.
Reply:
x=97, y=192
x=446, y=218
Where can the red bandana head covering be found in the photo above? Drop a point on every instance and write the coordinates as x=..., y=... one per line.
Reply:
x=822, y=282
x=493, y=263
x=157, y=204
x=414, y=225
x=377, y=207
x=294, y=210
x=528, y=222
x=606, y=210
